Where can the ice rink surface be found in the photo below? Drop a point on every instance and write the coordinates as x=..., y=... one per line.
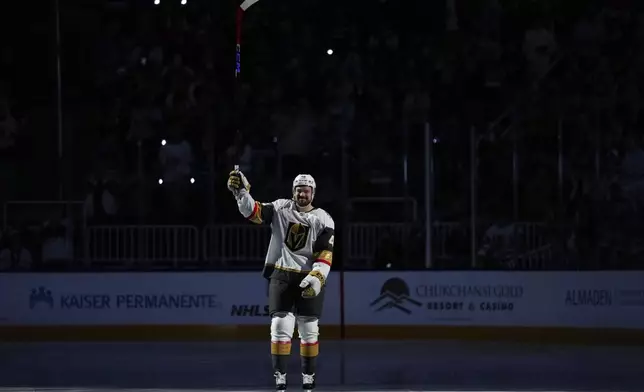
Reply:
x=343, y=366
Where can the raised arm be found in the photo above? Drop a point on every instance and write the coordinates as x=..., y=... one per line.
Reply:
x=250, y=209
x=254, y=211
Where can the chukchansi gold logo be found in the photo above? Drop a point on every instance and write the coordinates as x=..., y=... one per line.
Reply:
x=296, y=236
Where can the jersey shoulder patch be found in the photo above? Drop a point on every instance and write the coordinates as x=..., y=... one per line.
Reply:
x=282, y=203
x=325, y=218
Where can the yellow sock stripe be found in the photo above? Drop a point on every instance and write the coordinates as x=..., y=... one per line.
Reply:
x=281, y=348
x=309, y=349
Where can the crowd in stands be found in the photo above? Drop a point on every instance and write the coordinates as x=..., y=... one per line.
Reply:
x=590, y=105
x=153, y=119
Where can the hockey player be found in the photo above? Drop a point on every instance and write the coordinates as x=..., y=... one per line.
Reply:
x=297, y=266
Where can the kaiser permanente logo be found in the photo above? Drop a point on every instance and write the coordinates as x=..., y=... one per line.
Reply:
x=447, y=299
x=42, y=297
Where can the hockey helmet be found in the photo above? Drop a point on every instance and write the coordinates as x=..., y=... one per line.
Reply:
x=304, y=180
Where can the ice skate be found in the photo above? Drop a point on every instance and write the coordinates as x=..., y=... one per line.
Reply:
x=280, y=381
x=308, y=382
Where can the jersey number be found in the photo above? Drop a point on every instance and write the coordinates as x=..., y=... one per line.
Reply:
x=296, y=236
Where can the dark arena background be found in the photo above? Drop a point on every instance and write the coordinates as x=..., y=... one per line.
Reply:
x=483, y=161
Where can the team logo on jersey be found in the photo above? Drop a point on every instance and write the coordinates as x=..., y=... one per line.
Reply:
x=296, y=236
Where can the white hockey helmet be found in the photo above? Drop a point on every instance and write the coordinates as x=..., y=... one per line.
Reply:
x=304, y=180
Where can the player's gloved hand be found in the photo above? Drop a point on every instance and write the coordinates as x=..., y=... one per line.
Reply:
x=237, y=181
x=312, y=284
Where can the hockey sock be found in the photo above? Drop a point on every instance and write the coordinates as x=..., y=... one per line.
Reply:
x=280, y=352
x=309, y=353
x=308, y=365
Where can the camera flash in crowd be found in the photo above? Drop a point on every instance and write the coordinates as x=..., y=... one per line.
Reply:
x=157, y=2
x=192, y=180
x=329, y=52
x=160, y=181
x=163, y=142
x=183, y=2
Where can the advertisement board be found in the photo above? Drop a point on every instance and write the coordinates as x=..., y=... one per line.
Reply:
x=193, y=298
x=514, y=299
x=536, y=306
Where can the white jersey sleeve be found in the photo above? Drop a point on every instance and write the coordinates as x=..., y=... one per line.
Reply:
x=255, y=211
x=325, y=221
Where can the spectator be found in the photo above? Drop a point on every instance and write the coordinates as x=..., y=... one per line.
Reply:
x=8, y=126
x=632, y=169
x=539, y=47
x=57, y=242
x=175, y=157
x=145, y=119
x=240, y=153
x=15, y=257
x=8, y=131
x=296, y=130
x=100, y=204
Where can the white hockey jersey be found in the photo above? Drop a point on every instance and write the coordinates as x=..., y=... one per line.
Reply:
x=294, y=233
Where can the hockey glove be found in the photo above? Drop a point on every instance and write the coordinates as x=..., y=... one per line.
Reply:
x=312, y=284
x=237, y=181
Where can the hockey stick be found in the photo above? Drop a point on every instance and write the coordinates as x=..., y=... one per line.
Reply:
x=240, y=15
x=236, y=191
x=237, y=86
